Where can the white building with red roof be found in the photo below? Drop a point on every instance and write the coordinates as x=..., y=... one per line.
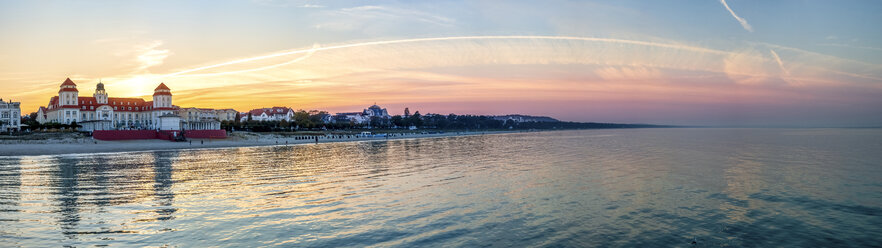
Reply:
x=269, y=114
x=115, y=112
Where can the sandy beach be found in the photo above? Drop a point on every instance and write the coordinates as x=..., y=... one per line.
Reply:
x=242, y=139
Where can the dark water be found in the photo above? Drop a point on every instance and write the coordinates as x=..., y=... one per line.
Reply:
x=633, y=188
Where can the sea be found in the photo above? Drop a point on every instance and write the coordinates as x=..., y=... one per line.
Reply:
x=660, y=187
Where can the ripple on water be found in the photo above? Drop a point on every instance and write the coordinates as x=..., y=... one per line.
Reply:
x=602, y=188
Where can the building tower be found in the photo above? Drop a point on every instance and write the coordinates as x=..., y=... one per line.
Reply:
x=68, y=101
x=68, y=93
x=406, y=112
x=100, y=95
x=162, y=97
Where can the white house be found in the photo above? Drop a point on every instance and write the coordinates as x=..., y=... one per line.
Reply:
x=269, y=114
x=10, y=115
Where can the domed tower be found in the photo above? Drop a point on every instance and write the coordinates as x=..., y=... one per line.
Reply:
x=68, y=95
x=100, y=95
x=162, y=97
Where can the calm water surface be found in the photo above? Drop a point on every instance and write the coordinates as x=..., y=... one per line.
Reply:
x=643, y=188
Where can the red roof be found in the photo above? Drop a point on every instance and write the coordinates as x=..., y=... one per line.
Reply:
x=120, y=104
x=68, y=82
x=271, y=111
x=161, y=87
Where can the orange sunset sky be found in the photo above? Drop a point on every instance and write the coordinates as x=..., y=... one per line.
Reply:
x=741, y=63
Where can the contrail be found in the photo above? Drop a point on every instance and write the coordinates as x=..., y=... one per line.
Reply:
x=787, y=78
x=740, y=20
x=780, y=63
x=298, y=59
x=374, y=43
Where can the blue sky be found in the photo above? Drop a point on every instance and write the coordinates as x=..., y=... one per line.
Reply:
x=820, y=60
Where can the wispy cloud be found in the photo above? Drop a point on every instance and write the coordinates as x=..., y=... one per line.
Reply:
x=740, y=20
x=150, y=55
x=780, y=63
x=628, y=73
x=355, y=18
x=384, y=12
x=288, y=3
x=852, y=46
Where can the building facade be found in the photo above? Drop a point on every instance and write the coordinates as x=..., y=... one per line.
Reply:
x=362, y=117
x=350, y=117
x=118, y=113
x=376, y=111
x=204, y=114
x=269, y=114
x=10, y=115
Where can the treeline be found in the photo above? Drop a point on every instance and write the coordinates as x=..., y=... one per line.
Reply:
x=285, y=126
x=304, y=121
x=34, y=125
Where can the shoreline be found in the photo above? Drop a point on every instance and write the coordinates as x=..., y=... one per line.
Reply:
x=89, y=146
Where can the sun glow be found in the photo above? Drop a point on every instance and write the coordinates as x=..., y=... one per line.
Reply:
x=137, y=86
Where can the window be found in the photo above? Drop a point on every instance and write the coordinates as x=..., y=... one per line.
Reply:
x=114, y=108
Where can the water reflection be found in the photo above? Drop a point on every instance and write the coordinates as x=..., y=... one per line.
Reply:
x=10, y=198
x=662, y=187
x=67, y=194
x=162, y=184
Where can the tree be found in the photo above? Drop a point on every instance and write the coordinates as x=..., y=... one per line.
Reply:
x=302, y=119
x=415, y=119
x=249, y=117
x=398, y=121
x=317, y=116
x=73, y=125
x=509, y=124
x=375, y=122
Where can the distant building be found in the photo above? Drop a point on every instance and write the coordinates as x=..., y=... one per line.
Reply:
x=524, y=118
x=10, y=115
x=269, y=114
x=204, y=114
x=362, y=117
x=376, y=111
x=41, y=115
x=350, y=117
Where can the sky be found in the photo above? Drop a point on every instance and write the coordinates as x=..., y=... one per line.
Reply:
x=717, y=63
